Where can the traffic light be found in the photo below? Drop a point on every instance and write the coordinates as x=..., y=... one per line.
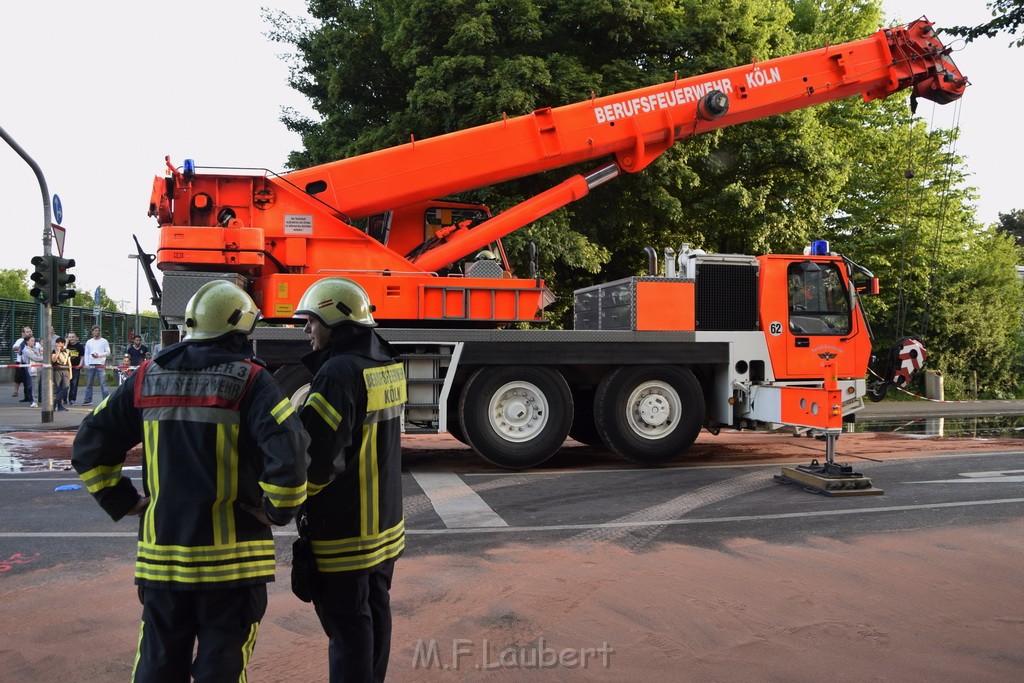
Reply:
x=64, y=282
x=43, y=277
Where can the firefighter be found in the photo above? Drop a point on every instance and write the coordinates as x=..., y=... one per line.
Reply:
x=353, y=516
x=224, y=457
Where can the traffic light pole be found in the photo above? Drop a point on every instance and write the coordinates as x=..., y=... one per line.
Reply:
x=46, y=400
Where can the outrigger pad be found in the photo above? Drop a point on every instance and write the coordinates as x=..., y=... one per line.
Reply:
x=830, y=479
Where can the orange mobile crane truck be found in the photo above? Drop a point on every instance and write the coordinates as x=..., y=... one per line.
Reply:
x=717, y=341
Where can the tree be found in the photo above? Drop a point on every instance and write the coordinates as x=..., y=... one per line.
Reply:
x=1007, y=16
x=1013, y=224
x=14, y=285
x=84, y=299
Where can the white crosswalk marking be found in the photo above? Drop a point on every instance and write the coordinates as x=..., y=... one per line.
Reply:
x=455, y=502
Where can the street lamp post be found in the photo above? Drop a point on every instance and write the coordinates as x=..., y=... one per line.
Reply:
x=138, y=330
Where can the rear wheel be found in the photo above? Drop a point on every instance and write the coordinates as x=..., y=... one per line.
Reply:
x=649, y=414
x=294, y=381
x=516, y=416
x=454, y=426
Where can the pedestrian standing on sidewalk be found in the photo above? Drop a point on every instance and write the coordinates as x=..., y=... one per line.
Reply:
x=224, y=458
x=354, y=519
x=61, y=362
x=96, y=351
x=19, y=372
x=136, y=352
x=32, y=354
x=77, y=352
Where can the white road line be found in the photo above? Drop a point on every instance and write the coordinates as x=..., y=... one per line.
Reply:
x=455, y=502
x=583, y=527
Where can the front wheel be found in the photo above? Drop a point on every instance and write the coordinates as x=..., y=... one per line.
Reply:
x=649, y=414
x=516, y=416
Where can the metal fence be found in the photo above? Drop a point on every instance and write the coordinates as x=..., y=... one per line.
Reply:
x=16, y=315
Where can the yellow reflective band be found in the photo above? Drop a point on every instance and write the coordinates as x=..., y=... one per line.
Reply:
x=284, y=496
x=247, y=648
x=101, y=477
x=313, y=489
x=151, y=461
x=282, y=411
x=138, y=649
x=350, y=563
x=204, y=574
x=368, y=482
x=103, y=404
x=205, y=553
x=348, y=545
x=320, y=404
x=227, y=484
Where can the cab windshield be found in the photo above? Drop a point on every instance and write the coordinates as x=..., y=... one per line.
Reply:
x=818, y=302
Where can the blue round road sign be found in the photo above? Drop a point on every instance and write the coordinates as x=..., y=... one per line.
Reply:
x=58, y=210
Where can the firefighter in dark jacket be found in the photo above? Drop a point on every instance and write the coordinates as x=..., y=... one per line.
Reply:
x=224, y=457
x=353, y=515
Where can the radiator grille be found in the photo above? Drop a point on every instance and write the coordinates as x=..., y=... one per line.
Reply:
x=726, y=297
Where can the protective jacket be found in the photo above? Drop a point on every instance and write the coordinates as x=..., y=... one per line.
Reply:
x=217, y=432
x=353, y=415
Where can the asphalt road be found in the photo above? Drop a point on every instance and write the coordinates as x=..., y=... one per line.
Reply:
x=635, y=508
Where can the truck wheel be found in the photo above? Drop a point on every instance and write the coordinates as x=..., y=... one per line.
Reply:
x=454, y=425
x=516, y=416
x=649, y=414
x=294, y=381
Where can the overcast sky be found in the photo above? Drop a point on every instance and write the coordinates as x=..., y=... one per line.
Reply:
x=99, y=93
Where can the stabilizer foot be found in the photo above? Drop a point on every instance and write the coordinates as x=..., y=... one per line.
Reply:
x=830, y=479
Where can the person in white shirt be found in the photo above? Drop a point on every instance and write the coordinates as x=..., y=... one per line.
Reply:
x=32, y=353
x=96, y=351
x=19, y=372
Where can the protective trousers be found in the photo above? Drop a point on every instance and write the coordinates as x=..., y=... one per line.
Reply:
x=355, y=612
x=224, y=620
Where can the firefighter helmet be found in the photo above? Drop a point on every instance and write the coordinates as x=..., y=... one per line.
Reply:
x=336, y=301
x=219, y=308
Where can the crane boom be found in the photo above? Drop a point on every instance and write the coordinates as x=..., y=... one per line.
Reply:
x=636, y=127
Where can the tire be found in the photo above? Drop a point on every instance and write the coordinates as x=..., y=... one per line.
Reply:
x=649, y=414
x=294, y=381
x=584, y=429
x=454, y=424
x=515, y=416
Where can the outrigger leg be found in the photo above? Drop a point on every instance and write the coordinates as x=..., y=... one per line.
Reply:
x=830, y=479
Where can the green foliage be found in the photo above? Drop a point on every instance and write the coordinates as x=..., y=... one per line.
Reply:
x=84, y=298
x=1013, y=224
x=1007, y=16
x=14, y=285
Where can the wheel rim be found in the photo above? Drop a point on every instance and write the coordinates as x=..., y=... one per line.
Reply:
x=653, y=409
x=518, y=411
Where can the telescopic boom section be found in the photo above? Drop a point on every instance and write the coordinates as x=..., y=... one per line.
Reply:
x=637, y=126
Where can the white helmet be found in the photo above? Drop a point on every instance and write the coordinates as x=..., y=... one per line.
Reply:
x=218, y=308
x=336, y=301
